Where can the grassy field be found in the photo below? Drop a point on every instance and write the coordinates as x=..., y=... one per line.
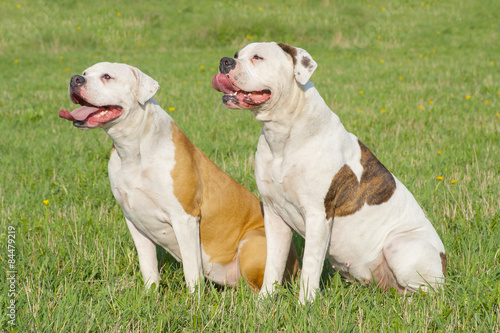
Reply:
x=418, y=83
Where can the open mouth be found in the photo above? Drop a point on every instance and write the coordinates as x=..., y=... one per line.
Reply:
x=237, y=98
x=88, y=115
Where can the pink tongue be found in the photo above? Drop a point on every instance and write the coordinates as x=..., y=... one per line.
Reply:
x=221, y=83
x=79, y=114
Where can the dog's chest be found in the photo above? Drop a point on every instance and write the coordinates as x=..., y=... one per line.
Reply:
x=277, y=183
x=146, y=198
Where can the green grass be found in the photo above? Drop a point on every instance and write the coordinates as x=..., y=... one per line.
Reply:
x=77, y=268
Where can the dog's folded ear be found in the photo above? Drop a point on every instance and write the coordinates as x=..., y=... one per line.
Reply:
x=146, y=86
x=303, y=63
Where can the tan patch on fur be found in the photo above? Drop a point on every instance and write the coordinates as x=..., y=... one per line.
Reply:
x=112, y=149
x=444, y=262
x=346, y=195
x=229, y=213
x=185, y=173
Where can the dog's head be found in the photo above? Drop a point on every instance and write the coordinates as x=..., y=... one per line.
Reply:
x=107, y=92
x=261, y=74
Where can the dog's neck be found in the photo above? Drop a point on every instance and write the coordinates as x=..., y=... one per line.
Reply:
x=298, y=115
x=128, y=134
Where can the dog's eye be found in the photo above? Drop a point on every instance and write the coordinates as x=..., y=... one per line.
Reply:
x=106, y=77
x=84, y=73
x=257, y=57
x=236, y=55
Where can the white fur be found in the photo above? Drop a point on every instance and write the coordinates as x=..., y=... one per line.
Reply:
x=301, y=147
x=140, y=174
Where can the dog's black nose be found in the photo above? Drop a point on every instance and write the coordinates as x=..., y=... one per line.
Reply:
x=226, y=64
x=77, y=80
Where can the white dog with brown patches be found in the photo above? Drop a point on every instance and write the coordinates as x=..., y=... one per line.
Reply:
x=320, y=180
x=171, y=194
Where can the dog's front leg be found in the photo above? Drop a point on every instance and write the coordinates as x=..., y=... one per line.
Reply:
x=318, y=232
x=278, y=240
x=187, y=232
x=146, y=250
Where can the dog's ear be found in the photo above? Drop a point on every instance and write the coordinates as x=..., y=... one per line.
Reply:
x=146, y=86
x=303, y=63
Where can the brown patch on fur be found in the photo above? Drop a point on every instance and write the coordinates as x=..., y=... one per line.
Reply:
x=292, y=51
x=112, y=150
x=384, y=277
x=229, y=213
x=305, y=61
x=444, y=262
x=346, y=195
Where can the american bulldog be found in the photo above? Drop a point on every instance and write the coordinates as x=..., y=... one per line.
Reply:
x=170, y=192
x=318, y=179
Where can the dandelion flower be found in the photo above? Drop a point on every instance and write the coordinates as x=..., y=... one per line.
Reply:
x=400, y=78
x=118, y=14
x=381, y=60
x=454, y=181
x=491, y=62
x=78, y=28
x=439, y=152
x=439, y=177
x=379, y=37
x=46, y=202
x=201, y=67
x=431, y=102
x=467, y=97
x=360, y=111
x=486, y=102
x=18, y=6
x=260, y=8
x=420, y=107
x=171, y=108
x=185, y=82
x=61, y=57
x=361, y=92
x=16, y=60
x=383, y=110
x=249, y=37
x=497, y=115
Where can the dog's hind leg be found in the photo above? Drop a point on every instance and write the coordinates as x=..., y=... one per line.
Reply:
x=414, y=263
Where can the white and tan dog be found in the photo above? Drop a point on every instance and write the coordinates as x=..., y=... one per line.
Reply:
x=320, y=180
x=171, y=193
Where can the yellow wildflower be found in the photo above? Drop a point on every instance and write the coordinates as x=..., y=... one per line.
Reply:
x=46, y=202
x=439, y=177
